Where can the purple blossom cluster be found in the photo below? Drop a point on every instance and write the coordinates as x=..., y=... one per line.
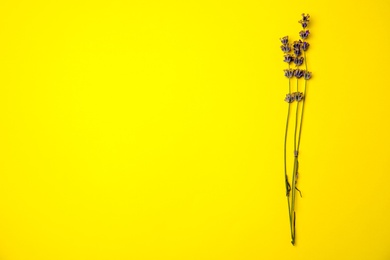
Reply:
x=295, y=96
x=293, y=52
x=298, y=73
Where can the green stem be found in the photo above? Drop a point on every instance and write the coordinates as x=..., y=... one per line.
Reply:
x=296, y=152
x=296, y=123
x=285, y=151
x=288, y=187
x=303, y=104
x=292, y=212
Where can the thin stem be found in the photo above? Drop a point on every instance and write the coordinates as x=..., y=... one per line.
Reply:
x=303, y=104
x=288, y=187
x=285, y=151
x=296, y=123
x=292, y=212
x=296, y=152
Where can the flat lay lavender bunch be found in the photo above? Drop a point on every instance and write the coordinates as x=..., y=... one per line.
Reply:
x=296, y=72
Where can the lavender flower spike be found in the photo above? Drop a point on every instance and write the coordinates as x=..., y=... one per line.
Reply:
x=289, y=73
x=289, y=98
x=304, y=34
x=305, y=46
x=297, y=44
x=298, y=96
x=284, y=40
x=304, y=24
x=288, y=58
x=298, y=61
x=305, y=20
x=298, y=73
x=307, y=75
x=297, y=52
x=285, y=48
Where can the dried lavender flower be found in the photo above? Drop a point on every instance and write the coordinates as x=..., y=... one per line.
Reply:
x=304, y=24
x=297, y=52
x=297, y=44
x=298, y=96
x=298, y=61
x=304, y=34
x=307, y=75
x=305, y=46
x=285, y=48
x=298, y=73
x=289, y=73
x=284, y=40
x=289, y=98
x=288, y=58
x=305, y=18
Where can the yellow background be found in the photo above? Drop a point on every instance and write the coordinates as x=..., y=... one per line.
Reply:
x=154, y=130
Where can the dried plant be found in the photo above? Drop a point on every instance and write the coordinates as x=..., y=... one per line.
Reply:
x=295, y=54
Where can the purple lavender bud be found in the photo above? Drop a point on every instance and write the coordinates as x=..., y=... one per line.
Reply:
x=297, y=44
x=298, y=73
x=288, y=58
x=298, y=96
x=307, y=75
x=285, y=48
x=305, y=17
x=289, y=98
x=298, y=61
x=304, y=34
x=284, y=40
x=305, y=46
x=297, y=52
x=305, y=21
x=289, y=73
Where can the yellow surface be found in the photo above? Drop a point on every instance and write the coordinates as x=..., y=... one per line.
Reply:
x=154, y=130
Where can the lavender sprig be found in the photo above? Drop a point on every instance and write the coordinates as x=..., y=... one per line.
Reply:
x=304, y=34
x=299, y=49
x=290, y=98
